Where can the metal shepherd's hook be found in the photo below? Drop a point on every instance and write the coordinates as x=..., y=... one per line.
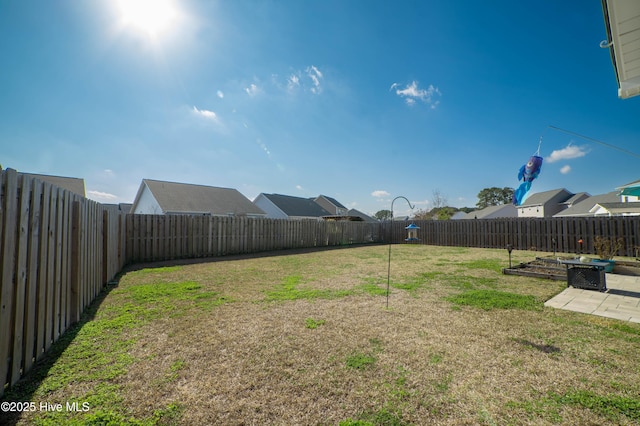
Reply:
x=391, y=228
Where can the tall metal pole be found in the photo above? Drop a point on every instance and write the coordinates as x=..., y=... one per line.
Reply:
x=390, y=237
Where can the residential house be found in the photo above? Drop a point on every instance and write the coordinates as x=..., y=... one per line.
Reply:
x=331, y=205
x=75, y=185
x=583, y=208
x=630, y=192
x=616, y=209
x=544, y=204
x=118, y=208
x=278, y=206
x=160, y=197
x=493, y=212
x=625, y=201
x=365, y=217
x=575, y=199
x=459, y=215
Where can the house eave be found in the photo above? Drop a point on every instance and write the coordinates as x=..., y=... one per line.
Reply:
x=622, y=23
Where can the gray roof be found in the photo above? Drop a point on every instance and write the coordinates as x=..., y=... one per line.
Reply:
x=630, y=184
x=576, y=198
x=364, y=216
x=200, y=199
x=333, y=201
x=541, y=198
x=583, y=207
x=619, y=207
x=75, y=185
x=118, y=208
x=297, y=206
x=503, y=210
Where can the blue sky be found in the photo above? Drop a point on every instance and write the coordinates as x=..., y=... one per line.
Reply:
x=360, y=100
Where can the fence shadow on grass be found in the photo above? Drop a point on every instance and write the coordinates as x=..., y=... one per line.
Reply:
x=25, y=388
x=274, y=253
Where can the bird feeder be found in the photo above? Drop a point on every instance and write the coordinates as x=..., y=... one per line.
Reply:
x=509, y=249
x=412, y=233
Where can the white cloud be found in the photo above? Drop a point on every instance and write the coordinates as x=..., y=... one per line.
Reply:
x=565, y=169
x=299, y=187
x=413, y=93
x=380, y=193
x=101, y=196
x=567, y=153
x=220, y=94
x=316, y=76
x=210, y=115
x=252, y=90
x=297, y=81
x=293, y=82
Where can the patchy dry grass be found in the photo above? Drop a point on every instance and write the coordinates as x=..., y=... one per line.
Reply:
x=306, y=339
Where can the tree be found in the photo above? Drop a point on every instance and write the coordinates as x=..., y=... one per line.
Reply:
x=443, y=213
x=436, y=213
x=422, y=214
x=383, y=215
x=494, y=197
x=439, y=199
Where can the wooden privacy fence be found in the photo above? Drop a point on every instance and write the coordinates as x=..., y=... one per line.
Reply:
x=542, y=234
x=158, y=237
x=58, y=250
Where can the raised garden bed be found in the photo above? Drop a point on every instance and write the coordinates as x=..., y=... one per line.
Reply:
x=624, y=267
x=549, y=268
x=540, y=268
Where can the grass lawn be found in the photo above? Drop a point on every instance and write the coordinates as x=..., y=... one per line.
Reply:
x=306, y=338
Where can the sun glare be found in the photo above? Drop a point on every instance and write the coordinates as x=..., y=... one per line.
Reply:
x=150, y=16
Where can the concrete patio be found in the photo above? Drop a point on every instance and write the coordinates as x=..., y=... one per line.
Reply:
x=621, y=300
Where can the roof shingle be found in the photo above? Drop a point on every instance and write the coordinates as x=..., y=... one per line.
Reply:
x=185, y=198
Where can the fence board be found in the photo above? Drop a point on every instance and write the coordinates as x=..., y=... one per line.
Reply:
x=57, y=313
x=10, y=195
x=66, y=263
x=31, y=297
x=43, y=269
x=51, y=273
x=74, y=293
x=20, y=277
